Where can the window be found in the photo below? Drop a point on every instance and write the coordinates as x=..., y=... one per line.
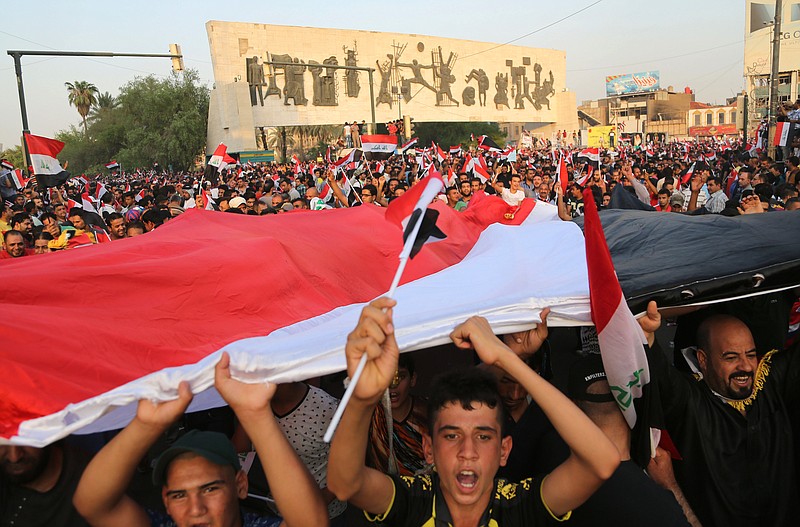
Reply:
x=709, y=118
x=721, y=118
x=733, y=117
x=697, y=119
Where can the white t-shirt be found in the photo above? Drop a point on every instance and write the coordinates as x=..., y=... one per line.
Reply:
x=513, y=198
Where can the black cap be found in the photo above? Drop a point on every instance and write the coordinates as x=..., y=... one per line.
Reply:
x=213, y=446
x=583, y=373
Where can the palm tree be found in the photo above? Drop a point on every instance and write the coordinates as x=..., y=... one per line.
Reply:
x=82, y=95
x=105, y=103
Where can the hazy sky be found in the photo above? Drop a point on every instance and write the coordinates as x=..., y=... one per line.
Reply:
x=691, y=42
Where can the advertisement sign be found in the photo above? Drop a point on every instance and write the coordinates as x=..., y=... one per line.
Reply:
x=257, y=156
x=645, y=81
x=709, y=131
x=599, y=136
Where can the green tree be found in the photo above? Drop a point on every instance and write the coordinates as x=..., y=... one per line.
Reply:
x=164, y=121
x=82, y=95
x=15, y=156
x=105, y=104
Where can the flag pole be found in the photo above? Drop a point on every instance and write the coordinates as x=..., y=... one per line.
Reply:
x=405, y=255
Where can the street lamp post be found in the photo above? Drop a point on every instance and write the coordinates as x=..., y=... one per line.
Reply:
x=17, y=55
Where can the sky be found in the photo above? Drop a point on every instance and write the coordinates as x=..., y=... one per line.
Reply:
x=692, y=43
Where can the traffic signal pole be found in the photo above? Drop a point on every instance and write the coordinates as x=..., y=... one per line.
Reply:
x=18, y=54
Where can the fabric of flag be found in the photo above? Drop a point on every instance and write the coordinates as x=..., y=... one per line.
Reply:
x=328, y=158
x=650, y=152
x=218, y=155
x=352, y=156
x=440, y=155
x=687, y=177
x=226, y=162
x=99, y=191
x=112, y=165
x=593, y=154
x=45, y=166
x=326, y=193
x=139, y=196
x=295, y=159
x=127, y=187
x=486, y=143
x=379, y=168
x=19, y=180
x=43, y=152
x=562, y=175
x=378, y=147
x=207, y=199
x=71, y=204
x=408, y=144
x=6, y=164
x=783, y=132
x=413, y=204
x=87, y=203
x=481, y=173
x=620, y=337
x=509, y=154
x=144, y=352
x=455, y=150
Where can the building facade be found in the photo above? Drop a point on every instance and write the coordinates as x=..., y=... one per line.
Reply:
x=758, y=35
x=271, y=76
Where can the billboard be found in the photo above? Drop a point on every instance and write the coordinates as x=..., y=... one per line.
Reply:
x=600, y=136
x=645, y=81
x=759, y=16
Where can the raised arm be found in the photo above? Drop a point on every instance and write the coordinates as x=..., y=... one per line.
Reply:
x=296, y=494
x=348, y=477
x=593, y=457
x=100, y=497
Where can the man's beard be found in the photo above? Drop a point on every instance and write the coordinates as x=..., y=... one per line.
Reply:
x=33, y=471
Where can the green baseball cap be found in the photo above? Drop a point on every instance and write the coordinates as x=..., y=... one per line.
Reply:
x=213, y=446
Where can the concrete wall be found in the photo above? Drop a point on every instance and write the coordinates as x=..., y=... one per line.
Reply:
x=239, y=50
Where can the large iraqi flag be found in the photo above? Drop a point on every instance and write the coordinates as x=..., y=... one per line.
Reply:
x=281, y=297
x=271, y=291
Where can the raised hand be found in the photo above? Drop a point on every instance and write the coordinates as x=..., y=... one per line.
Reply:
x=374, y=335
x=164, y=414
x=525, y=343
x=239, y=395
x=475, y=333
x=650, y=322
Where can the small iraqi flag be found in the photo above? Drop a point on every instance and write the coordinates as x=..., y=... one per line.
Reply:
x=486, y=143
x=43, y=152
x=378, y=147
x=217, y=157
x=406, y=210
x=407, y=145
x=6, y=164
x=19, y=179
x=113, y=165
x=783, y=131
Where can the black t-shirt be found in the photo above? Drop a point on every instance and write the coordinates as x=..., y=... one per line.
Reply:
x=630, y=498
x=20, y=506
x=418, y=502
x=536, y=446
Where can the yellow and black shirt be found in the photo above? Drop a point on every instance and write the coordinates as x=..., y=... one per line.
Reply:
x=418, y=502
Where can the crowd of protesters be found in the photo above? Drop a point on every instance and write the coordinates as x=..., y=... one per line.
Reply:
x=734, y=426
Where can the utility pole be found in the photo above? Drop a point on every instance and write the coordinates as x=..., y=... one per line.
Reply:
x=773, y=87
x=16, y=54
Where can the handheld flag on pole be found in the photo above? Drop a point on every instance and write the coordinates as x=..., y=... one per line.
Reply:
x=620, y=337
x=411, y=212
x=46, y=168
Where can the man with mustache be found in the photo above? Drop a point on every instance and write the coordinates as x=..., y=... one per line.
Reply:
x=732, y=424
